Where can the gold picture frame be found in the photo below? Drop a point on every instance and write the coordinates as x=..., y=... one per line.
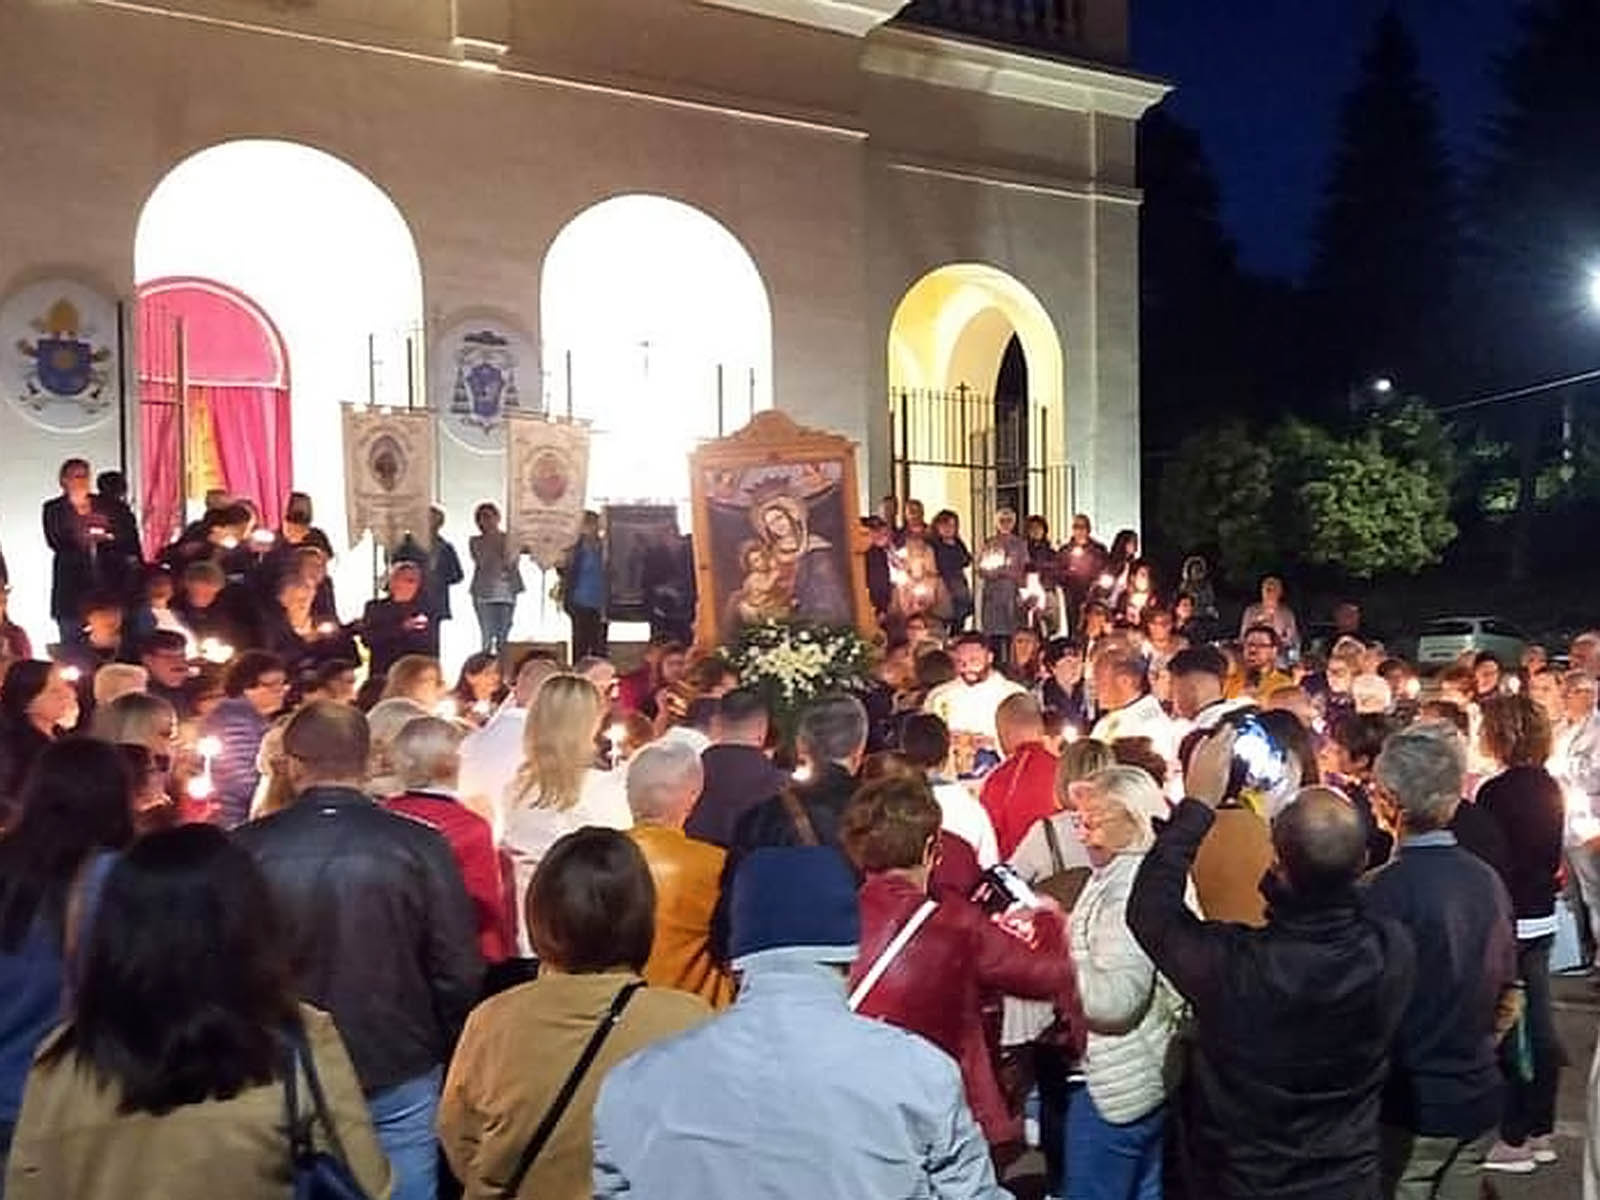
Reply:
x=777, y=531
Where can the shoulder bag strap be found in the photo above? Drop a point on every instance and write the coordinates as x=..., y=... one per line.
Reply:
x=891, y=952
x=801, y=818
x=300, y=1145
x=1057, y=861
x=319, y=1101
x=569, y=1089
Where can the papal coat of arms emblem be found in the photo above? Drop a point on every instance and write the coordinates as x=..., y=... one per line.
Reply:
x=64, y=363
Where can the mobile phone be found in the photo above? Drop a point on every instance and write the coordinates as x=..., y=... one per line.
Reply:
x=1013, y=888
x=1260, y=763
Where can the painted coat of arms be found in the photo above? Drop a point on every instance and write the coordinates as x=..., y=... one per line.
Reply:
x=59, y=347
x=479, y=367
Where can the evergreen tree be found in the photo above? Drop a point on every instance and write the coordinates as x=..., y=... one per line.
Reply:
x=1386, y=242
x=1537, y=231
x=1191, y=358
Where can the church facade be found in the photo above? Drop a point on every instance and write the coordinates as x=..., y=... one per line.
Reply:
x=915, y=225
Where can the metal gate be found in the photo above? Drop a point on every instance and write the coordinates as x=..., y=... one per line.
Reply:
x=988, y=455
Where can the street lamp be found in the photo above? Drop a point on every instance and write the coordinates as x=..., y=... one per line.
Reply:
x=1384, y=386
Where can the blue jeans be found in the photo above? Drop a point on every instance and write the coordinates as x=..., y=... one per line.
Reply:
x=1112, y=1162
x=494, y=623
x=404, y=1117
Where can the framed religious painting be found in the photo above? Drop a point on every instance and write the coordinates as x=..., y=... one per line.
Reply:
x=631, y=531
x=776, y=530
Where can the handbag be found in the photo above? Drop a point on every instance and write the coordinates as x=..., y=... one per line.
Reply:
x=315, y=1174
x=1064, y=884
x=569, y=1089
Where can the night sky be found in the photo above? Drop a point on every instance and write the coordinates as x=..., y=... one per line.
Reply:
x=1262, y=81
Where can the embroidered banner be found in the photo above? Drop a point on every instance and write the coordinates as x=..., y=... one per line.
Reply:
x=547, y=478
x=388, y=473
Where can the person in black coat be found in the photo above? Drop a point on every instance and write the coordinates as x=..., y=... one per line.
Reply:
x=123, y=556
x=211, y=607
x=1293, y=1022
x=398, y=624
x=1527, y=805
x=880, y=580
x=77, y=528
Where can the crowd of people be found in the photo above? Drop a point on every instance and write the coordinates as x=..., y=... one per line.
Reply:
x=1197, y=913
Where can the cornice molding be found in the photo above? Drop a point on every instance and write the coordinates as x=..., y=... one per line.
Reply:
x=1049, y=82
x=857, y=18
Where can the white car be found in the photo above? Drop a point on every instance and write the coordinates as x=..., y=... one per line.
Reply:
x=1445, y=639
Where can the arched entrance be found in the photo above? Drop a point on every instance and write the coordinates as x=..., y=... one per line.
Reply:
x=213, y=379
x=278, y=235
x=977, y=396
x=658, y=329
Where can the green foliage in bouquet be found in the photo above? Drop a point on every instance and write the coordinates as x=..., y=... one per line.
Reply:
x=792, y=663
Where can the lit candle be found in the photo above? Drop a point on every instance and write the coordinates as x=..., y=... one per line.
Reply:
x=1070, y=734
x=1514, y=684
x=1413, y=688
x=215, y=650
x=992, y=561
x=71, y=674
x=202, y=786
x=326, y=629
x=262, y=539
x=801, y=774
x=230, y=542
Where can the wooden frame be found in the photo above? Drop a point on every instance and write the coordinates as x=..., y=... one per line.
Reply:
x=777, y=529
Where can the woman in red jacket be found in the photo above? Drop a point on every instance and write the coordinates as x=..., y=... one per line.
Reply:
x=937, y=980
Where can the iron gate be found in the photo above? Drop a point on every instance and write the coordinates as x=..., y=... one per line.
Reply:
x=991, y=455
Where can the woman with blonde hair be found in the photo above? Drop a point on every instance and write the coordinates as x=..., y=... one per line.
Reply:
x=415, y=677
x=561, y=787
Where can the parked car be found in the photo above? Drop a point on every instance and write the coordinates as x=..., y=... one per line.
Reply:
x=1445, y=639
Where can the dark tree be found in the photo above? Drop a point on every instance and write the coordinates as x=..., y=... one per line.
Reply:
x=1191, y=357
x=1387, y=243
x=1537, y=235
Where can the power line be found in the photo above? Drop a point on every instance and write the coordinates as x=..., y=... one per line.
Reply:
x=1535, y=389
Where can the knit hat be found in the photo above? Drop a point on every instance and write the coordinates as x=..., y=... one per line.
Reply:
x=795, y=899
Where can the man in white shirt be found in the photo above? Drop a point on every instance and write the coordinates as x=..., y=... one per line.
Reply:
x=968, y=703
x=492, y=756
x=925, y=742
x=1127, y=709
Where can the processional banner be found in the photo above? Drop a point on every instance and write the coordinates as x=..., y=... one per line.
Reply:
x=547, y=478
x=388, y=473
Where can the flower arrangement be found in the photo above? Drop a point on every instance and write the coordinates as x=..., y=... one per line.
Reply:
x=792, y=663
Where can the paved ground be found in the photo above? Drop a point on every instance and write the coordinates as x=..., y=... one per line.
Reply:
x=1577, y=1019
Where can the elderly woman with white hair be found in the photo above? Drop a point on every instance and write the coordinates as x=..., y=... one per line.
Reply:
x=664, y=781
x=1116, y=1119
x=425, y=757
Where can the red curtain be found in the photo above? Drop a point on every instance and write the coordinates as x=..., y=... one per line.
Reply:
x=250, y=429
x=158, y=466
x=238, y=434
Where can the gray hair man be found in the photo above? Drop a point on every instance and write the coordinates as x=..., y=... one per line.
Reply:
x=664, y=781
x=1443, y=1101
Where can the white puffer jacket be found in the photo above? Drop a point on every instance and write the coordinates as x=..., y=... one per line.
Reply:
x=1132, y=1013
